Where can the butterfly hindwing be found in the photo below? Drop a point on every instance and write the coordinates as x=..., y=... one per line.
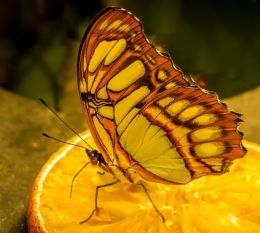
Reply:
x=143, y=113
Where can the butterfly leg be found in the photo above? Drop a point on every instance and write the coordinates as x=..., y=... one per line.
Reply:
x=101, y=173
x=72, y=182
x=96, y=199
x=150, y=199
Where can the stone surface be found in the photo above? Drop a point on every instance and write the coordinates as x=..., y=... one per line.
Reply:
x=23, y=150
x=248, y=104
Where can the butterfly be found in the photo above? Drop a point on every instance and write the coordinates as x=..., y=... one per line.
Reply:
x=146, y=118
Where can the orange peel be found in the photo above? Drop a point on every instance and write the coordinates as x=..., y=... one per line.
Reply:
x=227, y=203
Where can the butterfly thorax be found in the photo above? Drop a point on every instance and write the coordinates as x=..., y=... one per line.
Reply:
x=121, y=172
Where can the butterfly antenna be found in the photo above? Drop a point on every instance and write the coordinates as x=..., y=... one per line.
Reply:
x=69, y=127
x=56, y=139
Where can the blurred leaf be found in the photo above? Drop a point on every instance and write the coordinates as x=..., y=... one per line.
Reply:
x=38, y=70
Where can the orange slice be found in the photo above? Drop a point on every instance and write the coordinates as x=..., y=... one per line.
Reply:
x=227, y=203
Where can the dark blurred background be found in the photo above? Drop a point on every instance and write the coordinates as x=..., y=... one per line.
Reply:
x=217, y=42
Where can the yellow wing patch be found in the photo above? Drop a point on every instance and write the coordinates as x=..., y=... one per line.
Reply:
x=209, y=149
x=124, y=28
x=165, y=101
x=83, y=86
x=206, y=119
x=126, y=120
x=125, y=105
x=114, y=25
x=177, y=107
x=162, y=76
x=103, y=25
x=115, y=52
x=206, y=134
x=106, y=111
x=100, y=53
x=84, y=62
x=191, y=112
x=127, y=76
x=102, y=93
x=97, y=80
x=170, y=85
x=152, y=149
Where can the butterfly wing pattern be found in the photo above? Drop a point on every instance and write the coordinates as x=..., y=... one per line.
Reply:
x=143, y=113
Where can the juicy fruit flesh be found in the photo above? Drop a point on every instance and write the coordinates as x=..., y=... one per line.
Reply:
x=226, y=203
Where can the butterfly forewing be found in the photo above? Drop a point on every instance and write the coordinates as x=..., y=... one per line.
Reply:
x=141, y=110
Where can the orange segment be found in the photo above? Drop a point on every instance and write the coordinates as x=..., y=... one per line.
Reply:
x=227, y=203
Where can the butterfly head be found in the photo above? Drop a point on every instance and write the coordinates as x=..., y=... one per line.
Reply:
x=95, y=157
